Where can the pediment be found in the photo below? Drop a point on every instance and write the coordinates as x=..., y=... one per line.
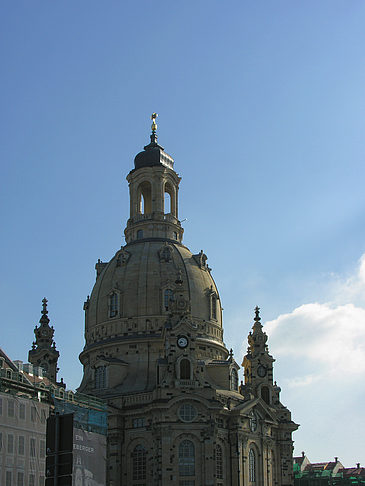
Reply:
x=260, y=407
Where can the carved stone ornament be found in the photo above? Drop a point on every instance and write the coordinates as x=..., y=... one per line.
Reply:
x=165, y=253
x=180, y=304
x=123, y=257
x=201, y=259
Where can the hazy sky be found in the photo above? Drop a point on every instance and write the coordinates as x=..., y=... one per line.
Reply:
x=262, y=106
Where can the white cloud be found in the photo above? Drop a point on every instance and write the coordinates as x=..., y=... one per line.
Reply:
x=320, y=351
x=329, y=338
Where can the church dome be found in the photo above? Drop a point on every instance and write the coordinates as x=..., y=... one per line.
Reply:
x=147, y=281
x=152, y=288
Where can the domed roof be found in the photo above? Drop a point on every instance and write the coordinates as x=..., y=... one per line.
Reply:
x=153, y=292
x=143, y=275
x=152, y=155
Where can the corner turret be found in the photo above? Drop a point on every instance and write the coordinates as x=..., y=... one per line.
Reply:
x=44, y=352
x=258, y=363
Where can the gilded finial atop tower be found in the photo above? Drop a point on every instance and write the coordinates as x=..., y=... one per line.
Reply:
x=154, y=124
x=154, y=128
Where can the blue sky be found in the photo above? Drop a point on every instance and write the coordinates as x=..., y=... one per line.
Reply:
x=262, y=106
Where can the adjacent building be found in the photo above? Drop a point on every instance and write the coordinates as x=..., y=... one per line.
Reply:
x=25, y=401
x=29, y=392
x=326, y=473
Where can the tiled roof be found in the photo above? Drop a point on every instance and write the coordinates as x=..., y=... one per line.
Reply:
x=353, y=471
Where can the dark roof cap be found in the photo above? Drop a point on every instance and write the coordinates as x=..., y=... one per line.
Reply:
x=153, y=155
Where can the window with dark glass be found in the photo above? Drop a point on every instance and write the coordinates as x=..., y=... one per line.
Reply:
x=187, y=412
x=11, y=409
x=185, y=369
x=33, y=414
x=42, y=448
x=8, y=479
x=21, y=445
x=139, y=460
x=186, y=458
x=32, y=447
x=214, y=307
x=138, y=422
x=10, y=443
x=252, y=465
x=113, y=304
x=100, y=378
x=265, y=394
x=22, y=411
x=20, y=481
x=43, y=416
x=219, y=462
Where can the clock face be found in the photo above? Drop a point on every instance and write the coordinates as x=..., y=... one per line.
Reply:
x=182, y=341
x=261, y=371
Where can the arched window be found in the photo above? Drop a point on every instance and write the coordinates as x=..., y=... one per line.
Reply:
x=214, y=307
x=234, y=380
x=186, y=458
x=167, y=298
x=100, y=378
x=139, y=460
x=265, y=394
x=139, y=234
x=113, y=304
x=219, y=462
x=252, y=466
x=185, y=369
x=187, y=412
x=145, y=198
x=169, y=200
x=167, y=203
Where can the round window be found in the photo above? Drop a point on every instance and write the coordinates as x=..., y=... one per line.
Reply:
x=187, y=412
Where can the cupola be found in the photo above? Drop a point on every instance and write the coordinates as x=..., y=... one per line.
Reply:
x=153, y=190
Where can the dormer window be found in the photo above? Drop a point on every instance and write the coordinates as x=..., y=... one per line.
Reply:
x=113, y=304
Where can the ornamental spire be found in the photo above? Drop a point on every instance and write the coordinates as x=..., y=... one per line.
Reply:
x=257, y=338
x=44, y=317
x=257, y=325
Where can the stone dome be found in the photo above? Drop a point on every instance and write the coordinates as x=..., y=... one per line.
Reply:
x=153, y=292
x=150, y=281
